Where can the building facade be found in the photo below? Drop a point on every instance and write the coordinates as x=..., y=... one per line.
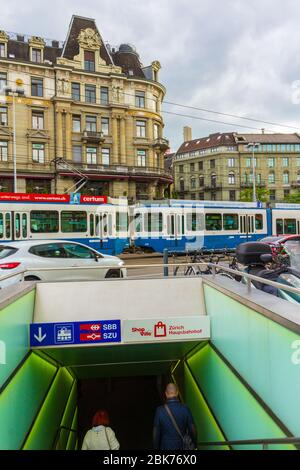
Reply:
x=220, y=166
x=90, y=116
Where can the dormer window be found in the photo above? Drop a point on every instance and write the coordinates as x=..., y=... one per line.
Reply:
x=2, y=50
x=36, y=55
x=89, y=61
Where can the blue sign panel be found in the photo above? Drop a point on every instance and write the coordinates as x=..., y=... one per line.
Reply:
x=63, y=334
x=75, y=198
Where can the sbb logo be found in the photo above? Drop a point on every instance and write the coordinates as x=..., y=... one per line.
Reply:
x=95, y=327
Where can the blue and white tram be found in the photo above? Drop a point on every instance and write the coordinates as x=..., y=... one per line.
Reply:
x=189, y=225
x=103, y=227
x=286, y=219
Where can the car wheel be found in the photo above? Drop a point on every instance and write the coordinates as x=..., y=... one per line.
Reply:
x=113, y=273
x=31, y=278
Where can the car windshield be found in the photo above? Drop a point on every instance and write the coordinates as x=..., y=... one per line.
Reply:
x=271, y=239
x=6, y=251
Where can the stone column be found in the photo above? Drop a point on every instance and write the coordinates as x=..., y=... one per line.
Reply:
x=59, y=135
x=130, y=148
x=150, y=136
x=123, y=141
x=69, y=136
x=115, y=143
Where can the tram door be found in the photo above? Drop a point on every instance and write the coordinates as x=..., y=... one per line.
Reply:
x=174, y=229
x=20, y=225
x=105, y=228
x=247, y=226
x=5, y=226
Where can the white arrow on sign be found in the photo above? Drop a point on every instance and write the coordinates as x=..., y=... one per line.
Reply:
x=40, y=338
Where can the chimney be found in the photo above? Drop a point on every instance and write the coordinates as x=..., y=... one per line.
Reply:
x=187, y=133
x=263, y=130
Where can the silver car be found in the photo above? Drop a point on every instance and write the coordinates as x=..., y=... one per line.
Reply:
x=37, y=255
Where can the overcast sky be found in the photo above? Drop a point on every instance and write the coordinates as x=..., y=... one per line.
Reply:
x=233, y=56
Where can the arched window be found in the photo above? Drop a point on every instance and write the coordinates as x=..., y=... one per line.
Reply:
x=213, y=180
x=271, y=177
x=181, y=184
x=286, y=177
x=231, y=178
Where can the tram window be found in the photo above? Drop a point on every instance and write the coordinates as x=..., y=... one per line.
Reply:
x=155, y=222
x=290, y=227
x=44, y=221
x=230, y=222
x=17, y=225
x=97, y=225
x=92, y=225
x=73, y=221
x=24, y=225
x=138, y=222
x=259, y=222
x=1, y=226
x=121, y=222
x=279, y=226
x=194, y=222
x=213, y=222
x=7, y=226
x=109, y=224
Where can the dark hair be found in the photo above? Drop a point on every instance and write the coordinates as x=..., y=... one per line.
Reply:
x=100, y=418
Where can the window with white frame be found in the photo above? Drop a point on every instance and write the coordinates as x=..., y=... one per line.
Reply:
x=271, y=162
x=90, y=93
x=3, y=80
x=37, y=120
x=105, y=152
x=38, y=153
x=231, y=178
x=3, y=116
x=77, y=153
x=141, y=158
x=105, y=125
x=36, y=55
x=156, y=131
x=76, y=123
x=3, y=150
x=104, y=95
x=141, y=128
x=91, y=123
x=2, y=49
x=231, y=162
x=285, y=162
x=298, y=161
x=91, y=155
x=286, y=177
x=249, y=162
x=271, y=177
x=140, y=99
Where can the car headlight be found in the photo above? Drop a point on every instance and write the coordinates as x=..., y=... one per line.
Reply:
x=121, y=263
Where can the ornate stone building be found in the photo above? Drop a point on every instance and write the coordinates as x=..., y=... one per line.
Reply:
x=90, y=116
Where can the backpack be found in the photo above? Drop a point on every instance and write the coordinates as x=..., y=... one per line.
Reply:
x=187, y=441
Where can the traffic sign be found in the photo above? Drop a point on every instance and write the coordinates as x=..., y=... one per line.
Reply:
x=64, y=334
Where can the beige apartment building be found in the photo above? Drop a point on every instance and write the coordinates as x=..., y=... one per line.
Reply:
x=89, y=116
x=220, y=166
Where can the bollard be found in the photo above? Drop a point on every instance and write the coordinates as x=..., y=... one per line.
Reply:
x=166, y=261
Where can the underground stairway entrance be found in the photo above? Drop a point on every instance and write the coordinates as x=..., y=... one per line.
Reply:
x=130, y=402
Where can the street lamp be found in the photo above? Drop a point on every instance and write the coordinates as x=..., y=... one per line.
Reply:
x=253, y=145
x=18, y=91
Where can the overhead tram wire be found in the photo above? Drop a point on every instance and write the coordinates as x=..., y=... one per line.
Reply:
x=195, y=108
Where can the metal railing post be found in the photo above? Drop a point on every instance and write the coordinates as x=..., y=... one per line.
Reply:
x=166, y=261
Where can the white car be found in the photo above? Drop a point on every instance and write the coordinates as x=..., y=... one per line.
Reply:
x=39, y=254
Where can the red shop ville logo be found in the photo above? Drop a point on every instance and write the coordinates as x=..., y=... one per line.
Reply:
x=160, y=330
